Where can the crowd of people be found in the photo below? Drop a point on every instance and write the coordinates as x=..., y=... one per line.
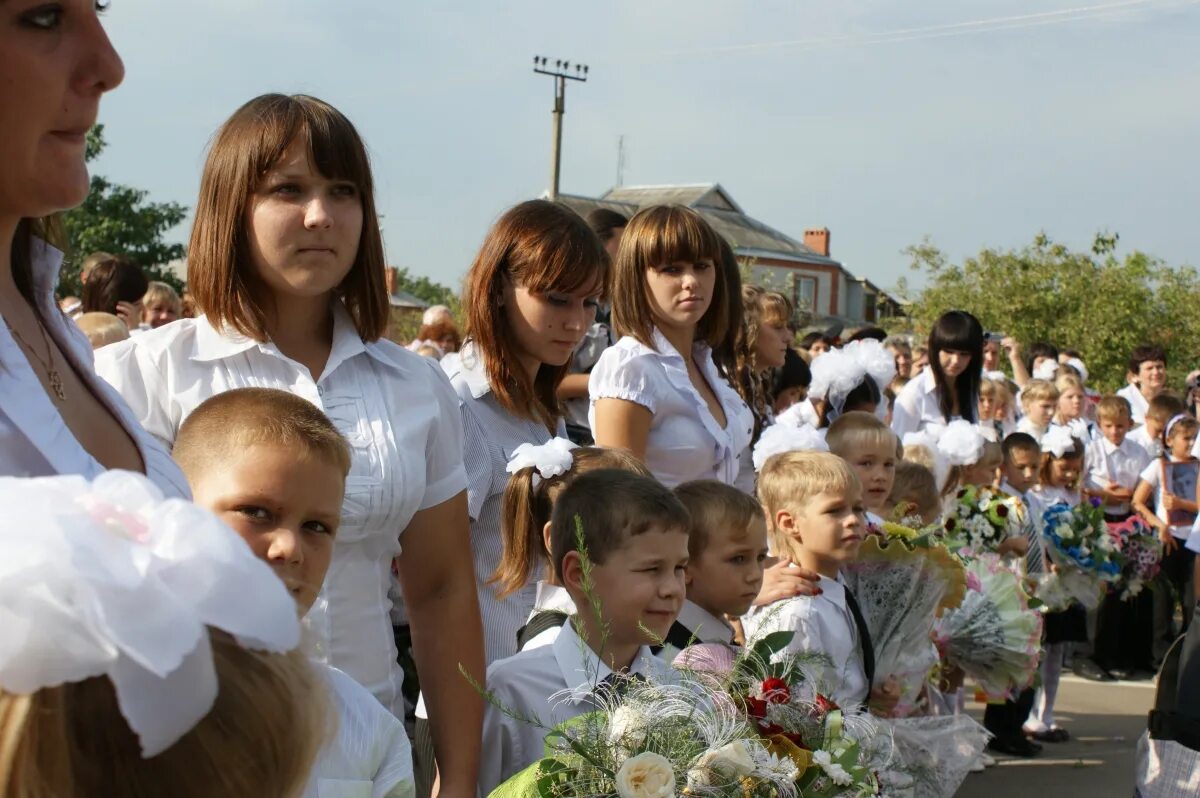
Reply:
x=619, y=450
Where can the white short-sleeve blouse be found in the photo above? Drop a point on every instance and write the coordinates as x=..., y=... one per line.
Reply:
x=686, y=442
x=917, y=408
x=398, y=413
x=34, y=439
x=491, y=434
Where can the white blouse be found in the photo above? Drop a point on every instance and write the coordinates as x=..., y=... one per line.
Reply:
x=396, y=410
x=34, y=439
x=491, y=434
x=917, y=407
x=686, y=442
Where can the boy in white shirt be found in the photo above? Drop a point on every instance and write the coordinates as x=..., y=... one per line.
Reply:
x=1113, y=463
x=1112, y=466
x=727, y=549
x=273, y=467
x=1039, y=401
x=813, y=502
x=619, y=544
x=1161, y=409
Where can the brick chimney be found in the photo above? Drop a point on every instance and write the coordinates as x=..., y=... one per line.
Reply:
x=389, y=278
x=817, y=239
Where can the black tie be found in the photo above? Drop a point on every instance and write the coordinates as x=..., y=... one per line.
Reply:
x=864, y=639
x=615, y=685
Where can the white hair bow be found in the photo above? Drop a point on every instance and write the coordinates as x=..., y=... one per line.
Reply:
x=1058, y=441
x=108, y=579
x=1077, y=364
x=839, y=371
x=927, y=439
x=961, y=443
x=780, y=438
x=1045, y=370
x=551, y=459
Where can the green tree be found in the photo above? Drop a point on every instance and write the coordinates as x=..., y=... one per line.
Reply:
x=1093, y=301
x=119, y=219
x=427, y=290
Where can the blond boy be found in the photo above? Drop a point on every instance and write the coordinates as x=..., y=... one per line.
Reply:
x=1039, y=401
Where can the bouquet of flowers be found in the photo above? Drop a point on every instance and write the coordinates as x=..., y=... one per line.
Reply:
x=657, y=741
x=1142, y=550
x=774, y=693
x=981, y=520
x=994, y=635
x=1083, y=555
x=902, y=586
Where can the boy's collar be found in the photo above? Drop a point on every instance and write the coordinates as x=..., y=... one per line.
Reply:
x=703, y=625
x=582, y=669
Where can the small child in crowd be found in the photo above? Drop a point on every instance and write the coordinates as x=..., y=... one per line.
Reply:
x=102, y=328
x=791, y=381
x=1114, y=464
x=915, y=489
x=1170, y=480
x=727, y=549
x=870, y=447
x=273, y=467
x=813, y=502
x=619, y=545
x=1039, y=401
x=1058, y=481
x=539, y=475
x=996, y=417
x=1159, y=411
x=1072, y=407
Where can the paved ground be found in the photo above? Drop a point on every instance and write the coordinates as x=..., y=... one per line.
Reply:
x=1105, y=721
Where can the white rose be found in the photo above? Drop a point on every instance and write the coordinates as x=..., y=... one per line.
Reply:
x=731, y=759
x=627, y=728
x=647, y=775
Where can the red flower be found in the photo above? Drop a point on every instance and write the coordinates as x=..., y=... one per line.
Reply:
x=962, y=493
x=776, y=691
x=951, y=523
x=756, y=707
x=1002, y=510
x=825, y=705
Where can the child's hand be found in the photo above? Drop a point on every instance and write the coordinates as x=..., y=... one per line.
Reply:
x=1168, y=540
x=1171, y=502
x=885, y=697
x=1117, y=493
x=1011, y=345
x=1017, y=545
x=783, y=580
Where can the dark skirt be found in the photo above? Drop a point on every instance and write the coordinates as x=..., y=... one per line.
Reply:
x=1067, y=626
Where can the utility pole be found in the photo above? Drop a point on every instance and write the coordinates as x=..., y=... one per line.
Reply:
x=561, y=72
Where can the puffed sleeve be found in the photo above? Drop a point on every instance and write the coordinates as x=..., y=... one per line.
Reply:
x=445, y=475
x=132, y=371
x=625, y=374
x=906, y=412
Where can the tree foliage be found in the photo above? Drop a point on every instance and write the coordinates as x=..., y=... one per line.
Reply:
x=1093, y=301
x=427, y=290
x=119, y=219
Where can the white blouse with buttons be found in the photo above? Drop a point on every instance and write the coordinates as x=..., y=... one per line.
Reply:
x=686, y=442
x=398, y=413
x=34, y=439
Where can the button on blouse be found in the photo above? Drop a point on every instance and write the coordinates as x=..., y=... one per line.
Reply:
x=396, y=410
x=686, y=442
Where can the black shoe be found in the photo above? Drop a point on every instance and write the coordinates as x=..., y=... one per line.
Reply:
x=1017, y=747
x=1120, y=674
x=1089, y=670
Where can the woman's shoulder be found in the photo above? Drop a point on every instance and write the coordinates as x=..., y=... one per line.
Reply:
x=626, y=351
x=171, y=343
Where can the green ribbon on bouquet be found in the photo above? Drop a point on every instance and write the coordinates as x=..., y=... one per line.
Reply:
x=545, y=778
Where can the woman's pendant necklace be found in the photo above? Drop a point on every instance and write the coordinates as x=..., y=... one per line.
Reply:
x=52, y=375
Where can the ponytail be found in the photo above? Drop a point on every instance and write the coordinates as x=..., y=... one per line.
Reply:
x=524, y=511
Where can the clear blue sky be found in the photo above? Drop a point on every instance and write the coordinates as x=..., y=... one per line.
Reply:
x=975, y=123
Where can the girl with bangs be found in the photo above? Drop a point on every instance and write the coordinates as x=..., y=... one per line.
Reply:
x=948, y=389
x=659, y=392
x=286, y=265
x=529, y=298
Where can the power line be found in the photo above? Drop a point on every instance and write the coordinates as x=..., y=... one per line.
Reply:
x=968, y=27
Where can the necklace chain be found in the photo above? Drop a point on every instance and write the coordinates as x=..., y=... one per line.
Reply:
x=52, y=374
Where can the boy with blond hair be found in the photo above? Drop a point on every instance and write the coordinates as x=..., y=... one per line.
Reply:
x=1039, y=401
x=813, y=503
x=273, y=467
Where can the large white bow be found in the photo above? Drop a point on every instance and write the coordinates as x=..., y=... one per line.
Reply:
x=108, y=579
x=1058, y=441
x=780, y=438
x=553, y=458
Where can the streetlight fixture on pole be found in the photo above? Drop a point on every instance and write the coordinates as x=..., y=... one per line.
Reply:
x=561, y=72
